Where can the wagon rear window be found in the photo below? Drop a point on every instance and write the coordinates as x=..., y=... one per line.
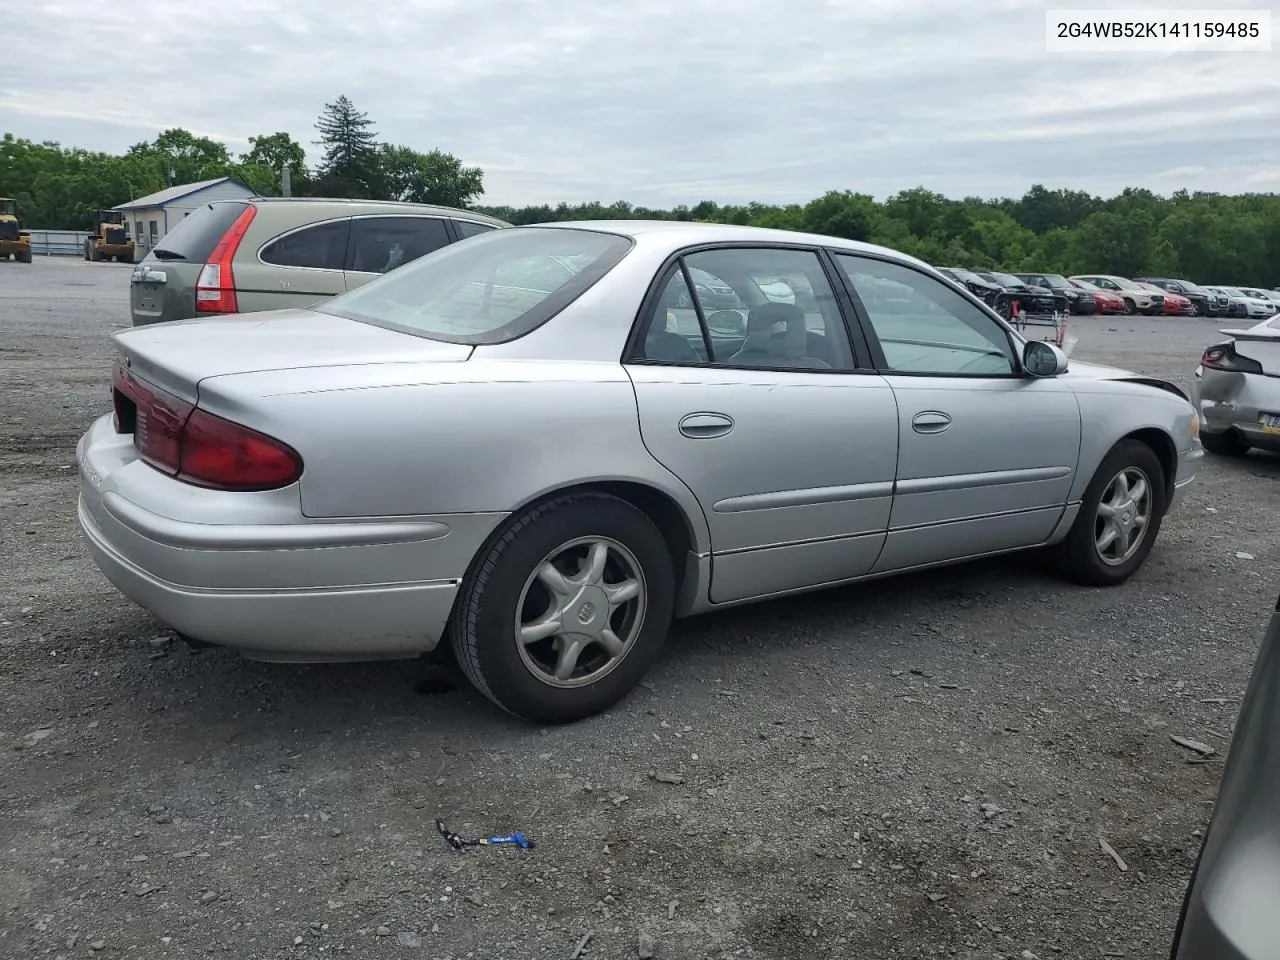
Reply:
x=493, y=288
x=194, y=237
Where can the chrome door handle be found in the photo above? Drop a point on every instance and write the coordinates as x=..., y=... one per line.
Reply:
x=705, y=426
x=931, y=421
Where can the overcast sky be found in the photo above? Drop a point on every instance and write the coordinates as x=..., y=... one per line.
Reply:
x=662, y=101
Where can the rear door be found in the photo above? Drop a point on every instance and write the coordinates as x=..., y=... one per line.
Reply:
x=379, y=244
x=163, y=285
x=296, y=267
x=986, y=455
x=788, y=442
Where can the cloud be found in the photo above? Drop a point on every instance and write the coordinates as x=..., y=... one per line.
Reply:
x=664, y=102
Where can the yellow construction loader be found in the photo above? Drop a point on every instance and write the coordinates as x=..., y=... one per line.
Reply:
x=14, y=241
x=111, y=238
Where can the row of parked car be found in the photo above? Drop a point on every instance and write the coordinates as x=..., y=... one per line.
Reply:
x=1085, y=294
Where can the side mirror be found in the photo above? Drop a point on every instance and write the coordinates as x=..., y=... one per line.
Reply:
x=1043, y=359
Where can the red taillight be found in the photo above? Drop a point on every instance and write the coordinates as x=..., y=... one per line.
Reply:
x=1224, y=357
x=155, y=417
x=227, y=456
x=195, y=446
x=216, y=285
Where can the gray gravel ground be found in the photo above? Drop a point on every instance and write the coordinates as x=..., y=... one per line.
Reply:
x=919, y=767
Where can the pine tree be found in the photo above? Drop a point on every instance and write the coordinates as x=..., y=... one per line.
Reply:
x=351, y=165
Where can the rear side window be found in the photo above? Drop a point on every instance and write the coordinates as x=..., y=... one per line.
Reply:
x=321, y=247
x=495, y=288
x=380, y=244
x=469, y=228
x=194, y=237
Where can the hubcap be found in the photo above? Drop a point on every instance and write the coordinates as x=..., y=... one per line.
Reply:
x=1123, y=516
x=580, y=612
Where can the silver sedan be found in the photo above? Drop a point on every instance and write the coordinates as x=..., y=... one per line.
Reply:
x=541, y=445
x=1237, y=391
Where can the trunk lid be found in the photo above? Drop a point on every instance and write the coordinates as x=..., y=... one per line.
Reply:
x=1260, y=343
x=177, y=356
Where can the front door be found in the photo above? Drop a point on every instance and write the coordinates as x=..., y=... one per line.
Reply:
x=758, y=405
x=986, y=456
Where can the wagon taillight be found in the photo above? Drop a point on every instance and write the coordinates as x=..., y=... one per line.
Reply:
x=216, y=285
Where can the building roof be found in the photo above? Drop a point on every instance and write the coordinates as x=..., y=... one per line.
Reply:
x=163, y=197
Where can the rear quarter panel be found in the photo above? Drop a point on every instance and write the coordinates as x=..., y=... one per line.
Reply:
x=394, y=440
x=1110, y=410
x=264, y=286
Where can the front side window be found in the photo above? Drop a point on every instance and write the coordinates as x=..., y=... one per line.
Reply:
x=493, y=288
x=321, y=247
x=380, y=244
x=925, y=326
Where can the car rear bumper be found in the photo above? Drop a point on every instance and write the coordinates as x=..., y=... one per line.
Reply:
x=292, y=591
x=1229, y=403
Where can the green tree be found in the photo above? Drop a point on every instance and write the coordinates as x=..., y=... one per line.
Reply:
x=276, y=151
x=350, y=166
x=179, y=156
x=435, y=177
x=841, y=214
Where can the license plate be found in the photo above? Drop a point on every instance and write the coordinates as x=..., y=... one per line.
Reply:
x=147, y=293
x=1270, y=423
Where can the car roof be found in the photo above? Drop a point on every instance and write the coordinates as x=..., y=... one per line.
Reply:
x=682, y=233
x=342, y=204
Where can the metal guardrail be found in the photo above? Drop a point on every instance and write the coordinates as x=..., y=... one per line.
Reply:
x=58, y=243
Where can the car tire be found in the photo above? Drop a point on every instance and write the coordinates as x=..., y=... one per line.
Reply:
x=507, y=585
x=1223, y=445
x=1080, y=557
x=1129, y=307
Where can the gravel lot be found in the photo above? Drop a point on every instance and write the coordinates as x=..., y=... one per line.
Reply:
x=918, y=767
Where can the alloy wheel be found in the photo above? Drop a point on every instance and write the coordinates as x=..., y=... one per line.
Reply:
x=580, y=612
x=1123, y=515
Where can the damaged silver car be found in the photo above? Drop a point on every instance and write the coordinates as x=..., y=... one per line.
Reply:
x=1237, y=391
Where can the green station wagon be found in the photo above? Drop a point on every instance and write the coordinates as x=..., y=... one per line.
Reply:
x=240, y=256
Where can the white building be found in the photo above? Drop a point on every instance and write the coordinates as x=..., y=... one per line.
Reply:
x=151, y=217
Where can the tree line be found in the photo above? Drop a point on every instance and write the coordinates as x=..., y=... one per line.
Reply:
x=1205, y=237
x=59, y=188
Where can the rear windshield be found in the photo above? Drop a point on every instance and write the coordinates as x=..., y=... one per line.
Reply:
x=194, y=237
x=494, y=287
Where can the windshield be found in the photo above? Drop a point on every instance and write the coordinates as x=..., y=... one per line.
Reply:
x=1233, y=292
x=495, y=287
x=10, y=207
x=1056, y=282
x=1008, y=279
